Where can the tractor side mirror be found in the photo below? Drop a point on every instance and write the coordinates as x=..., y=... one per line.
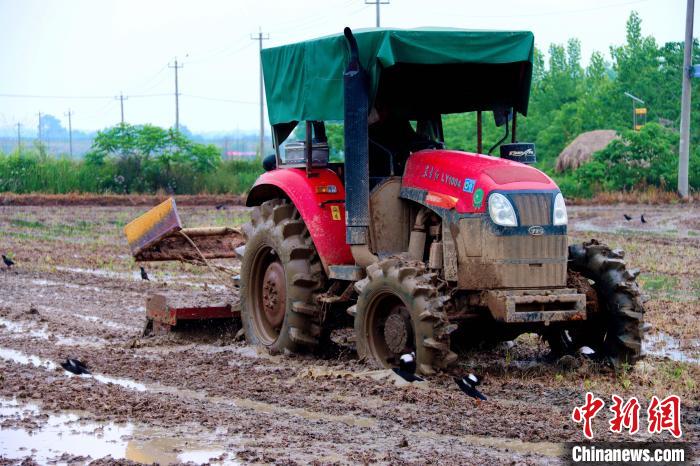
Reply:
x=523, y=152
x=502, y=115
x=270, y=162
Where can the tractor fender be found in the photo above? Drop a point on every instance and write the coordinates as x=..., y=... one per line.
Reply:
x=323, y=212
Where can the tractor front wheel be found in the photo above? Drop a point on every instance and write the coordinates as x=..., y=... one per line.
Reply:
x=615, y=314
x=280, y=274
x=399, y=310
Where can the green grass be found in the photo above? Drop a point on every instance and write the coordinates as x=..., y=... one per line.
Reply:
x=659, y=283
x=26, y=224
x=31, y=172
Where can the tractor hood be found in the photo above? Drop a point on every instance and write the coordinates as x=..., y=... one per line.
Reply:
x=463, y=180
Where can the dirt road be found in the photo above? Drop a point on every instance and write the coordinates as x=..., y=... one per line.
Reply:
x=203, y=397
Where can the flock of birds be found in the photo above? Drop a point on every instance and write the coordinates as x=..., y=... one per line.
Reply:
x=628, y=218
x=407, y=371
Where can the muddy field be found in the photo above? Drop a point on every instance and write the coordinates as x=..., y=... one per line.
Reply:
x=203, y=397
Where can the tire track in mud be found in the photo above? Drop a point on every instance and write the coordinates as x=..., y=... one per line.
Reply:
x=270, y=408
x=255, y=420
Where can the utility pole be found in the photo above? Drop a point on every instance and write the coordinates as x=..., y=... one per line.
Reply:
x=684, y=145
x=378, y=3
x=19, y=139
x=70, y=132
x=39, y=126
x=261, y=37
x=177, y=96
x=121, y=99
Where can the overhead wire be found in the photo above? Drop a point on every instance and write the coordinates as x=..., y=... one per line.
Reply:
x=553, y=13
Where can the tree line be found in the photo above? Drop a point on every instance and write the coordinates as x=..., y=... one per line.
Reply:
x=566, y=100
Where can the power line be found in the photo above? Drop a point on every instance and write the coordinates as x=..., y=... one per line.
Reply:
x=556, y=12
x=260, y=38
x=34, y=96
x=378, y=3
x=70, y=97
x=220, y=99
x=177, y=95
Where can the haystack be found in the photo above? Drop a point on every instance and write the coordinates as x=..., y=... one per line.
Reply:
x=582, y=148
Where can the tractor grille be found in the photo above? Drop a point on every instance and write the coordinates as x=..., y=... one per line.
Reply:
x=533, y=208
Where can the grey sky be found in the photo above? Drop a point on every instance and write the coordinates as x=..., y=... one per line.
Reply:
x=99, y=48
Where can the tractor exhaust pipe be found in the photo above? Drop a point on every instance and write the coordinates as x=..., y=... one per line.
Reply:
x=356, y=157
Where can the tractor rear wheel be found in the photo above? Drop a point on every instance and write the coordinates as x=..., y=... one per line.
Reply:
x=280, y=274
x=615, y=314
x=400, y=310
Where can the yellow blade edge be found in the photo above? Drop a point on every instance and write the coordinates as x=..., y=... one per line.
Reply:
x=151, y=227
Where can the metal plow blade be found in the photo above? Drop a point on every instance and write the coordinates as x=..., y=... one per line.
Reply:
x=158, y=235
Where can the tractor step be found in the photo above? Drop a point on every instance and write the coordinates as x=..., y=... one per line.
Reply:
x=529, y=306
x=161, y=317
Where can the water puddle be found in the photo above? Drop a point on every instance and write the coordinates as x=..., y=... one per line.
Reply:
x=30, y=360
x=663, y=345
x=41, y=282
x=65, y=435
x=136, y=276
x=104, y=322
x=550, y=449
x=23, y=330
x=101, y=273
x=204, y=454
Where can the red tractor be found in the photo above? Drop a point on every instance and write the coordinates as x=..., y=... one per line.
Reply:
x=427, y=249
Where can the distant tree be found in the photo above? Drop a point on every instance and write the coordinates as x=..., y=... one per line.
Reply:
x=148, y=158
x=637, y=160
x=51, y=127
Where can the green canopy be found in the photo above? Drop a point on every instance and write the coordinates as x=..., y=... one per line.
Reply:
x=474, y=70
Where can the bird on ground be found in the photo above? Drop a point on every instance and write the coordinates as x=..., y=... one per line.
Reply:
x=8, y=262
x=144, y=275
x=468, y=385
x=407, y=368
x=74, y=366
x=627, y=217
x=221, y=206
x=643, y=219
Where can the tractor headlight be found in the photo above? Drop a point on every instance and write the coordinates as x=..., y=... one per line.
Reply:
x=501, y=211
x=559, y=216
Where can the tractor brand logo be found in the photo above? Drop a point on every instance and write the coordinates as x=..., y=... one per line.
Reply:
x=478, y=198
x=469, y=185
x=536, y=230
x=521, y=153
x=335, y=212
x=435, y=174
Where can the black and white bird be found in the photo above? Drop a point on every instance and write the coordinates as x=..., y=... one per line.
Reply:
x=8, y=262
x=407, y=368
x=75, y=366
x=144, y=275
x=627, y=217
x=643, y=219
x=468, y=385
x=221, y=207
